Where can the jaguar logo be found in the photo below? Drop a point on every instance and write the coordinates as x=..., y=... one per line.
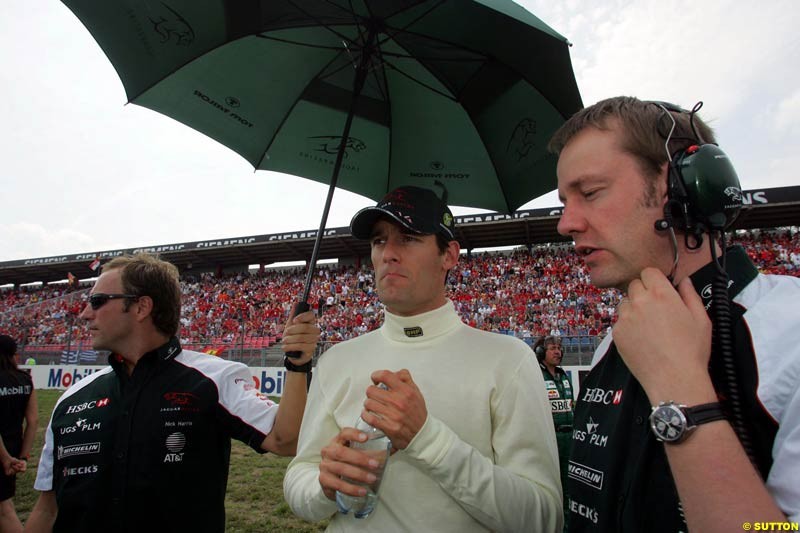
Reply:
x=330, y=144
x=180, y=398
x=734, y=193
x=706, y=292
x=173, y=27
x=523, y=139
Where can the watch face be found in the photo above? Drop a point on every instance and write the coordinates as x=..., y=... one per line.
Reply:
x=668, y=423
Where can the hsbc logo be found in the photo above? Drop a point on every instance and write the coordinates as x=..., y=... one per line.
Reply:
x=85, y=406
x=560, y=406
x=606, y=397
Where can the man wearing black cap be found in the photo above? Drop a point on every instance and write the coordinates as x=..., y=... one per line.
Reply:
x=465, y=410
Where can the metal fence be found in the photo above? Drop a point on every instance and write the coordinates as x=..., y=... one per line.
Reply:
x=577, y=350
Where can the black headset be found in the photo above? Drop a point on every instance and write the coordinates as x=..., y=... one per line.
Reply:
x=704, y=194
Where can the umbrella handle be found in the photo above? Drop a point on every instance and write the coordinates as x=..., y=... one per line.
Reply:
x=301, y=307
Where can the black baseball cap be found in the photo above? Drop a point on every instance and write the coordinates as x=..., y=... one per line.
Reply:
x=414, y=208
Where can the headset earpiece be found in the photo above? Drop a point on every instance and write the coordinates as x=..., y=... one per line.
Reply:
x=540, y=350
x=704, y=193
x=710, y=184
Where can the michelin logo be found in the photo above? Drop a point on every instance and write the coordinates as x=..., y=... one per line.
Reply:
x=78, y=449
x=586, y=475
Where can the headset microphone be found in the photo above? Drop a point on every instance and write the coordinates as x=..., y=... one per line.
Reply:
x=662, y=224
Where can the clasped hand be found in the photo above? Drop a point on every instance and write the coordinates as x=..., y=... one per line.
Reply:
x=399, y=411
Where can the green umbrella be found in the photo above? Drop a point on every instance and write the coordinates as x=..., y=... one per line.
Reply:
x=366, y=95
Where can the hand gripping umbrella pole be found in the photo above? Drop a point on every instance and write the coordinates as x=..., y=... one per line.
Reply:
x=360, y=78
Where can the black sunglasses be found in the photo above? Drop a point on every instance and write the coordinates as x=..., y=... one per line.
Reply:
x=98, y=299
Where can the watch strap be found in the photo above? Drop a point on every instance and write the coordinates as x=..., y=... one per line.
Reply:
x=704, y=413
x=305, y=368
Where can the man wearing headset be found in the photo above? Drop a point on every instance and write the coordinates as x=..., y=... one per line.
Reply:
x=559, y=393
x=641, y=183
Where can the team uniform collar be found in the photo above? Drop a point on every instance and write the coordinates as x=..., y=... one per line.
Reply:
x=558, y=371
x=422, y=327
x=740, y=268
x=165, y=352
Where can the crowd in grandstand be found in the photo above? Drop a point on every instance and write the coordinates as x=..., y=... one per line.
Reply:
x=527, y=294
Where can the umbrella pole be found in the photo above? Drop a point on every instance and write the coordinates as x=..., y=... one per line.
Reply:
x=358, y=85
x=361, y=75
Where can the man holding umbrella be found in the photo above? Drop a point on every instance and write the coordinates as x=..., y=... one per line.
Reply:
x=465, y=410
x=144, y=444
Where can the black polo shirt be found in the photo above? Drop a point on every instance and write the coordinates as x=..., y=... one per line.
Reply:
x=619, y=478
x=150, y=451
x=16, y=387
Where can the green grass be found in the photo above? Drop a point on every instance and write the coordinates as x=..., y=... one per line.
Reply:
x=255, y=485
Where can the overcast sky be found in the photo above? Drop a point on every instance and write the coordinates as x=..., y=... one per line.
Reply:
x=81, y=171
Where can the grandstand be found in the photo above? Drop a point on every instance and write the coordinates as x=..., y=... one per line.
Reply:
x=540, y=287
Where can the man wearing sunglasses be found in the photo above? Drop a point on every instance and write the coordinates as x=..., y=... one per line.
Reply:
x=144, y=444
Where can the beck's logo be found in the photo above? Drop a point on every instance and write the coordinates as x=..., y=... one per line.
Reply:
x=79, y=470
x=583, y=510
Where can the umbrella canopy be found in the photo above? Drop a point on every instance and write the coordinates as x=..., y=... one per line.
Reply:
x=465, y=92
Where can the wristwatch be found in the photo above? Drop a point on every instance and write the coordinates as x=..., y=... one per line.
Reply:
x=672, y=423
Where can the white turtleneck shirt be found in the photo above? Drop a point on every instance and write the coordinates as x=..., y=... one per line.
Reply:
x=486, y=457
